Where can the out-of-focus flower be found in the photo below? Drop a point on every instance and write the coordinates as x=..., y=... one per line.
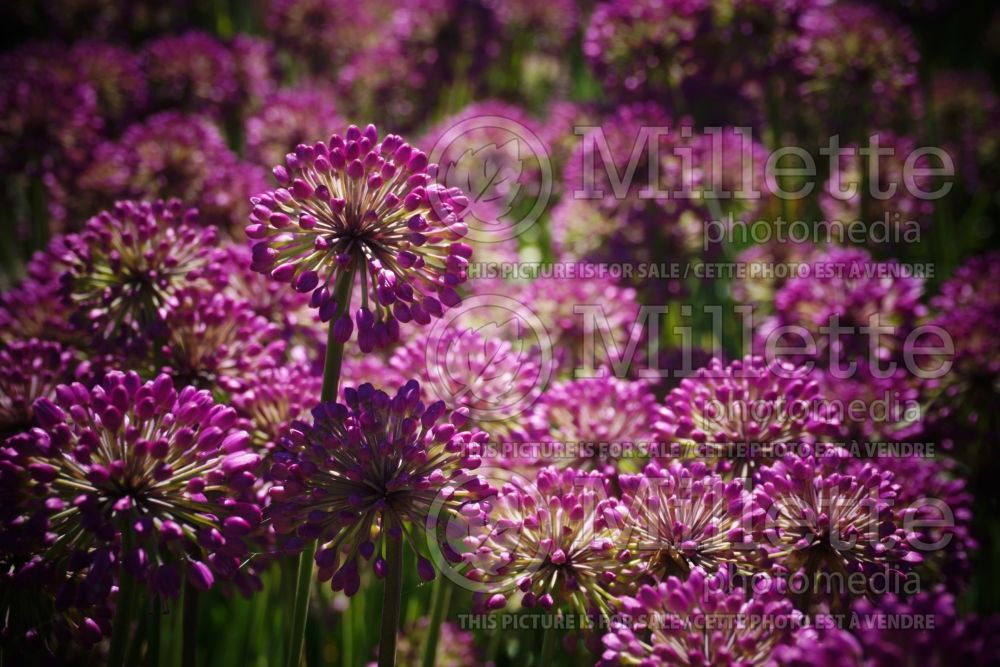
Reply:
x=847, y=195
x=768, y=267
x=216, y=342
x=139, y=477
x=130, y=262
x=746, y=413
x=945, y=637
x=551, y=542
x=256, y=75
x=592, y=423
x=456, y=647
x=367, y=211
x=117, y=77
x=167, y=155
x=29, y=370
x=493, y=379
x=551, y=25
x=834, y=324
x=321, y=34
x=966, y=110
x=34, y=308
x=685, y=517
x=275, y=398
x=378, y=468
x=855, y=62
x=815, y=515
x=703, y=620
x=192, y=71
x=289, y=117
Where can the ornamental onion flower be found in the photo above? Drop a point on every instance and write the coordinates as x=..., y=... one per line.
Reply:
x=139, y=476
x=192, y=71
x=456, y=647
x=363, y=208
x=814, y=516
x=130, y=262
x=288, y=117
x=29, y=370
x=274, y=399
x=550, y=542
x=745, y=413
x=378, y=468
x=603, y=423
x=703, y=620
x=685, y=517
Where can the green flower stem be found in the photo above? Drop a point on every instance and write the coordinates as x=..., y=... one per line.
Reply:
x=548, y=647
x=331, y=383
x=189, y=643
x=123, y=611
x=153, y=644
x=391, y=601
x=440, y=601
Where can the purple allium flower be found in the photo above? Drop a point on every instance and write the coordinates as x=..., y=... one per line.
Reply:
x=117, y=77
x=814, y=515
x=378, y=468
x=130, y=262
x=550, y=541
x=594, y=423
x=483, y=152
x=256, y=70
x=192, y=71
x=320, y=33
x=746, y=413
x=854, y=368
x=551, y=24
x=276, y=398
x=944, y=637
x=846, y=197
x=29, y=370
x=167, y=155
x=48, y=116
x=685, y=517
x=289, y=117
x=367, y=207
x=216, y=342
x=968, y=310
x=702, y=620
x=855, y=62
x=492, y=379
x=966, y=110
x=142, y=477
x=34, y=308
x=557, y=131
x=768, y=267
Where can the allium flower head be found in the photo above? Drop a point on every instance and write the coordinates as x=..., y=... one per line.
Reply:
x=605, y=422
x=550, y=541
x=217, y=342
x=368, y=207
x=274, y=399
x=815, y=516
x=456, y=647
x=685, y=517
x=377, y=468
x=491, y=378
x=29, y=370
x=289, y=117
x=139, y=476
x=701, y=621
x=131, y=261
x=323, y=33
x=117, y=77
x=192, y=71
x=745, y=413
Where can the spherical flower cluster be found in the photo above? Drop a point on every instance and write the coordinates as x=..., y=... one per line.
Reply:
x=321, y=33
x=604, y=424
x=856, y=293
x=814, y=516
x=483, y=152
x=455, y=648
x=191, y=71
x=768, y=267
x=701, y=621
x=365, y=211
x=276, y=398
x=256, y=71
x=965, y=109
x=686, y=517
x=746, y=413
x=29, y=370
x=846, y=197
x=217, y=342
x=289, y=117
x=130, y=262
x=117, y=77
x=141, y=477
x=552, y=24
x=376, y=469
x=34, y=308
x=851, y=54
x=492, y=379
x=550, y=541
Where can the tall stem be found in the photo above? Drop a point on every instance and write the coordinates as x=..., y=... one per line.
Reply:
x=440, y=600
x=548, y=647
x=153, y=646
x=391, y=601
x=189, y=643
x=331, y=383
x=123, y=611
